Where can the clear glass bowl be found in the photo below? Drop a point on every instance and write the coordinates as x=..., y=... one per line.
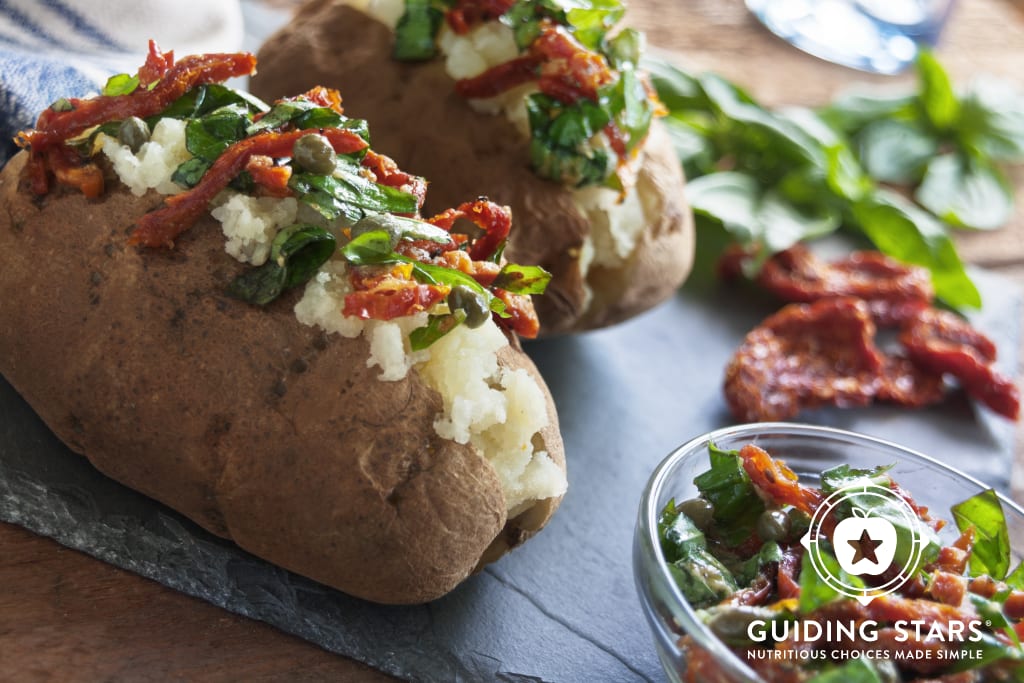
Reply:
x=807, y=450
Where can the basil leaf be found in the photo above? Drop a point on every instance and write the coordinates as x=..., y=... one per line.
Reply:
x=627, y=102
x=908, y=234
x=1015, y=579
x=190, y=172
x=992, y=120
x=120, y=84
x=851, y=112
x=895, y=151
x=437, y=326
x=680, y=92
x=370, y=248
x=814, y=592
x=590, y=20
x=282, y=113
x=558, y=137
x=416, y=31
x=728, y=488
x=992, y=650
x=207, y=98
x=748, y=570
x=966, y=193
x=624, y=49
x=731, y=198
x=854, y=671
x=702, y=578
x=991, y=551
x=939, y=102
x=208, y=136
x=843, y=476
x=678, y=533
x=522, y=279
x=295, y=256
x=349, y=195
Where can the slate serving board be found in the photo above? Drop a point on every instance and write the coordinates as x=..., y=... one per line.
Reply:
x=561, y=608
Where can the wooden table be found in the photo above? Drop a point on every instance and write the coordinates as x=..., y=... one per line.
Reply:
x=65, y=616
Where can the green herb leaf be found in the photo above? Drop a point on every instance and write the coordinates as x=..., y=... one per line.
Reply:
x=940, y=104
x=370, y=248
x=844, y=476
x=295, y=256
x=991, y=552
x=908, y=234
x=522, y=279
x=895, y=151
x=966, y=193
x=190, y=172
x=748, y=570
x=728, y=488
x=992, y=120
x=437, y=326
x=121, y=84
x=416, y=31
x=558, y=143
x=992, y=650
x=207, y=98
x=814, y=592
x=349, y=195
x=624, y=49
x=1015, y=579
x=678, y=533
x=702, y=577
x=851, y=112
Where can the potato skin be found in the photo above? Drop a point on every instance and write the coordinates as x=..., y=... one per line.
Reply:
x=259, y=428
x=417, y=118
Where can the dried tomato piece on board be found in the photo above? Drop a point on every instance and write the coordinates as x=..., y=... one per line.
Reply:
x=944, y=343
x=894, y=291
x=805, y=355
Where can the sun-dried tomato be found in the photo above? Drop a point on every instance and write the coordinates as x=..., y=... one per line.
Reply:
x=386, y=171
x=392, y=298
x=495, y=220
x=54, y=127
x=523, y=317
x=805, y=355
x=500, y=78
x=894, y=292
x=272, y=179
x=944, y=343
x=160, y=228
x=779, y=483
x=468, y=13
x=157, y=64
x=904, y=383
x=72, y=170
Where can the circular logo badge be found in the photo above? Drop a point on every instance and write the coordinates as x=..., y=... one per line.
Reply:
x=866, y=543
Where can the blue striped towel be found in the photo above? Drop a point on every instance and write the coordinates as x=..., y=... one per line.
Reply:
x=68, y=48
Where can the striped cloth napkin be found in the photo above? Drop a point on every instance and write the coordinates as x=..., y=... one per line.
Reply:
x=68, y=48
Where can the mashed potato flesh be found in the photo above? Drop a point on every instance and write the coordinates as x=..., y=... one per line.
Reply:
x=497, y=410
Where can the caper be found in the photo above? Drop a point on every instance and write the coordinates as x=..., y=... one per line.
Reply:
x=773, y=525
x=731, y=623
x=133, y=132
x=314, y=153
x=799, y=523
x=466, y=299
x=699, y=510
x=374, y=222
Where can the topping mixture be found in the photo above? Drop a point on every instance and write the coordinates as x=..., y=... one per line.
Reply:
x=587, y=105
x=303, y=173
x=741, y=556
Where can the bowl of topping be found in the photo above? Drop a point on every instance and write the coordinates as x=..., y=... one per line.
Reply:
x=783, y=552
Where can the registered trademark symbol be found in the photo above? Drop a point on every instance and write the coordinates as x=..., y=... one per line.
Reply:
x=988, y=622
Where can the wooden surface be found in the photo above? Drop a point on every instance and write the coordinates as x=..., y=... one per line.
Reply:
x=65, y=616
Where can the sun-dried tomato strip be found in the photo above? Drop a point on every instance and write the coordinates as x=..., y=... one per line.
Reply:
x=904, y=383
x=944, y=343
x=272, y=179
x=779, y=483
x=54, y=127
x=483, y=272
x=895, y=292
x=392, y=298
x=160, y=228
x=523, y=320
x=468, y=13
x=156, y=66
x=495, y=220
x=386, y=171
x=500, y=78
x=805, y=355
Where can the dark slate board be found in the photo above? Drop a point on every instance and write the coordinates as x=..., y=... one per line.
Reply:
x=562, y=608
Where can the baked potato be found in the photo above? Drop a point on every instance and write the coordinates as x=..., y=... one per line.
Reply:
x=319, y=441
x=615, y=231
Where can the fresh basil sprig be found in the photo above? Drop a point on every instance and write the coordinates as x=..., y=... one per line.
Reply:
x=416, y=30
x=295, y=256
x=349, y=194
x=522, y=279
x=770, y=178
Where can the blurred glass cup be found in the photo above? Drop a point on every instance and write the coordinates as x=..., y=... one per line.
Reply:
x=881, y=36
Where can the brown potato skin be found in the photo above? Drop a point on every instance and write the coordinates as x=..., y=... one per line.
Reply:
x=259, y=428
x=416, y=117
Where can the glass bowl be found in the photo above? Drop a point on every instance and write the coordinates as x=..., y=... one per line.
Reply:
x=807, y=450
